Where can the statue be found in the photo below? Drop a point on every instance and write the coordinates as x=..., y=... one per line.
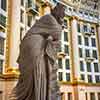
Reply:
x=38, y=78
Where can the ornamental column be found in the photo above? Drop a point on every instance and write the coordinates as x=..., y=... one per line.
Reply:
x=98, y=39
x=74, y=56
x=12, y=40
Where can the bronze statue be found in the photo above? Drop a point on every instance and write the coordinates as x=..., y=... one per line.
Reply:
x=38, y=78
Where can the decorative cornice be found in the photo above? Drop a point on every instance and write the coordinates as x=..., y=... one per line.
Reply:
x=75, y=83
x=73, y=18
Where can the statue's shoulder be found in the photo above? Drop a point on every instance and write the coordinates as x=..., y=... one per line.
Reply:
x=47, y=17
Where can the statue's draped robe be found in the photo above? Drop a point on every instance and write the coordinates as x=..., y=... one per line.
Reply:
x=38, y=78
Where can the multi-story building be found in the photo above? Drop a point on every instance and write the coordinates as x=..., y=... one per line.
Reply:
x=79, y=54
x=79, y=71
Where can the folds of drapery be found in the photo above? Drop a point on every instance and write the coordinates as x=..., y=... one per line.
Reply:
x=38, y=79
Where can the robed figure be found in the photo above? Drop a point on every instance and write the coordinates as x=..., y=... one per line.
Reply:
x=37, y=59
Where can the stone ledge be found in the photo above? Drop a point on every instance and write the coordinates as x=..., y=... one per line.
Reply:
x=8, y=77
x=79, y=83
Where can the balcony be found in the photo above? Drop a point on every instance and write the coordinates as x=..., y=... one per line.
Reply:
x=61, y=55
x=87, y=33
x=89, y=59
x=31, y=8
x=2, y=20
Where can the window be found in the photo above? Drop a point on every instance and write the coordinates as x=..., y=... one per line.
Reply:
x=22, y=2
x=96, y=16
x=67, y=76
x=90, y=78
x=97, y=78
x=3, y=4
x=82, y=77
x=60, y=76
x=66, y=49
x=1, y=66
x=2, y=20
x=21, y=33
x=88, y=64
x=1, y=46
x=67, y=65
x=36, y=7
x=70, y=9
x=86, y=96
x=91, y=14
x=85, y=28
x=29, y=3
x=87, y=53
x=86, y=41
x=92, y=30
x=98, y=96
x=80, y=12
x=60, y=62
x=79, y=40
x=55, y=1
x=94, y=54
x=74, y=10
x=96, y=67
x=65, y=36
x=92, y=96
x=65, y=23
x=69, y=96
x=22, y=16
x=86, y=13
x=93, y=42
x=62, y=95
x=29, y=20
x=78, y=26
x=80, y=52
x=81, y=66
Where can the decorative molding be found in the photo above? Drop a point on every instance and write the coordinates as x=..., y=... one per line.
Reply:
x=79, y=83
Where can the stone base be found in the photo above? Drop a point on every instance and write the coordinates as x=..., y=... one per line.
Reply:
x=10, y=73
x=9, y=76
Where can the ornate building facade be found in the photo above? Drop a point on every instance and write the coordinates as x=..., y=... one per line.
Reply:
x=79, y=54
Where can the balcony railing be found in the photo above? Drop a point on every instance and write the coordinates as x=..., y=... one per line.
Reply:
x=2, y=20
x=88, y=33
x=89, y=59
x=61, y=55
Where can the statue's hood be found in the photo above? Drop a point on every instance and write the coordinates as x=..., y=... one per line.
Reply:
x=46, y=25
